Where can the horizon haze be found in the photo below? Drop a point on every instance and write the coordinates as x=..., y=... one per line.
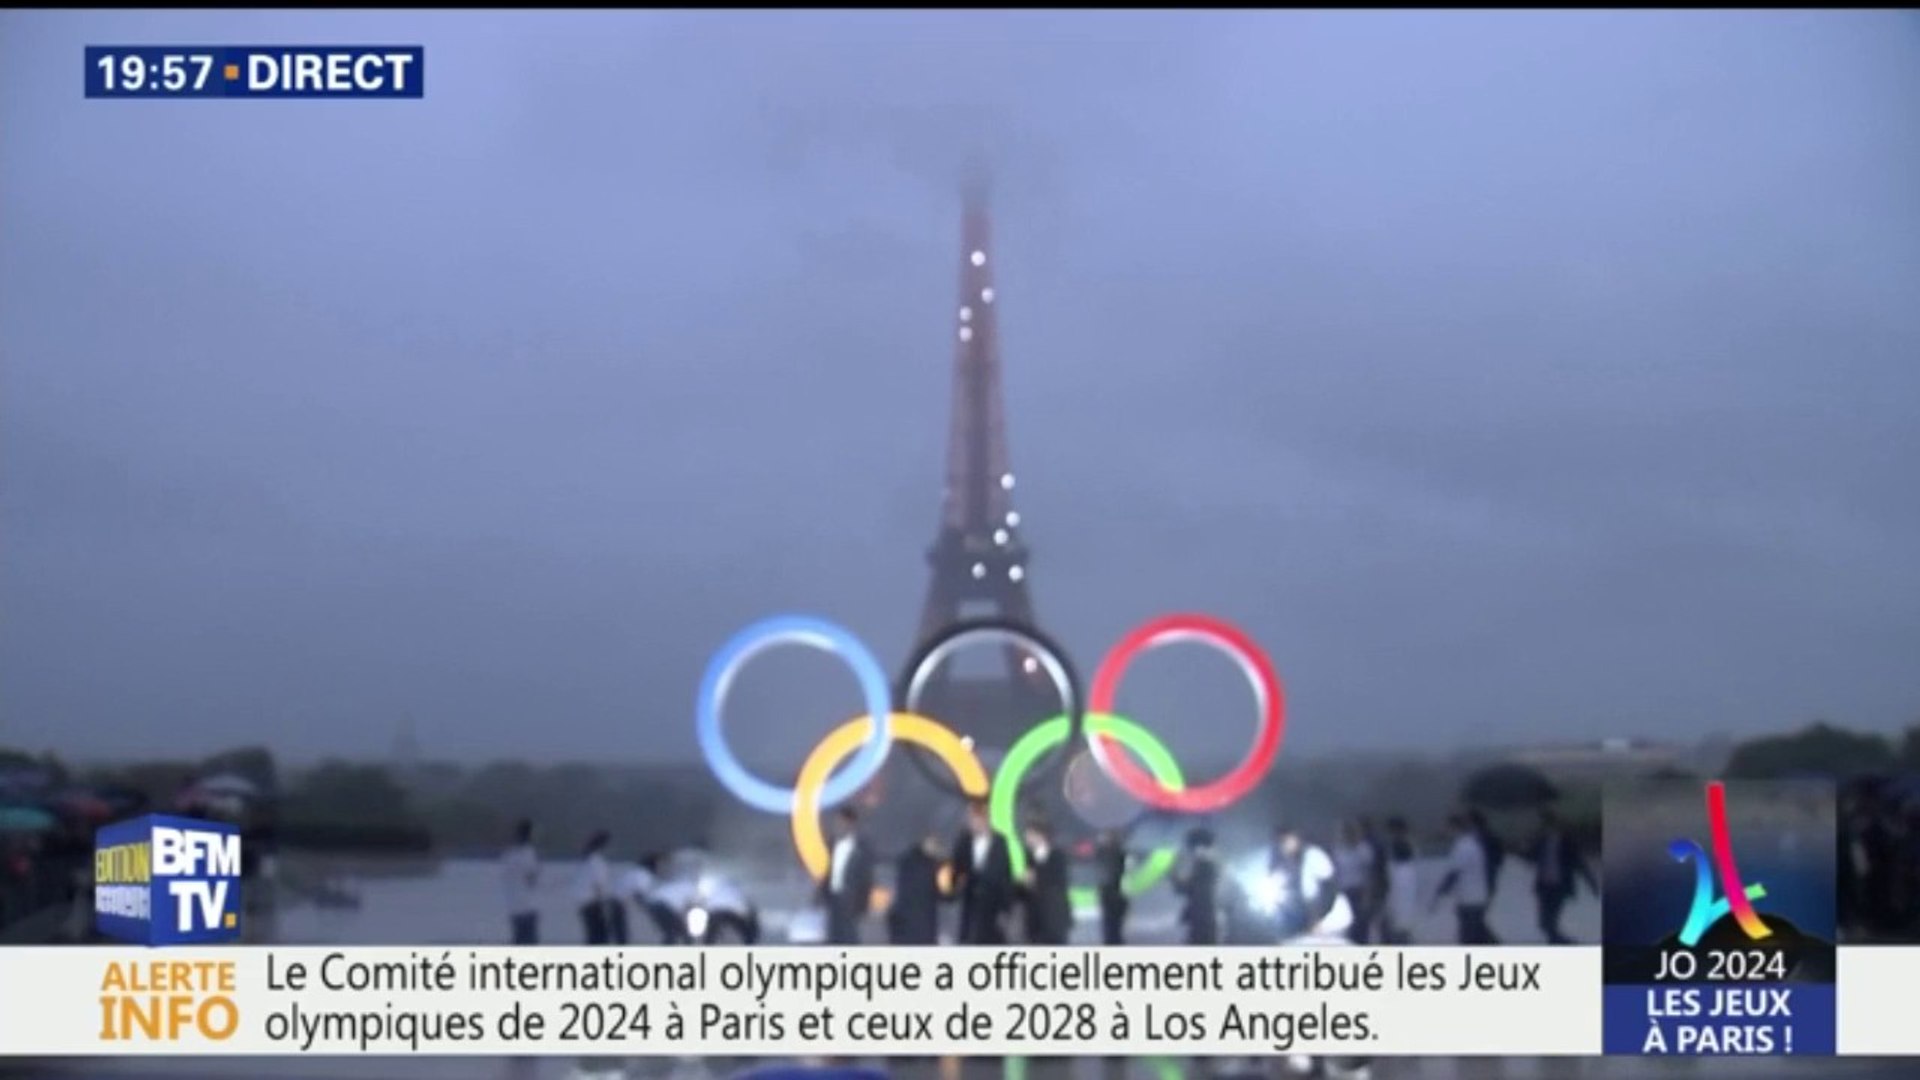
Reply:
x=1511, y=377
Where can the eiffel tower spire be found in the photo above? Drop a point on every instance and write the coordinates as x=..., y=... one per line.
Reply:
x=979, y=557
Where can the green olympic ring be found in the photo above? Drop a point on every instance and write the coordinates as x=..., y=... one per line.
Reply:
x=1002, y=811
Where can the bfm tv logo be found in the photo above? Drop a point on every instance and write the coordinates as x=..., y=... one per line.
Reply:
x=163, y=880
x=1739, y=898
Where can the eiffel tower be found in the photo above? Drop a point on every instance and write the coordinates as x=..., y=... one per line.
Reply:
x=979, y=557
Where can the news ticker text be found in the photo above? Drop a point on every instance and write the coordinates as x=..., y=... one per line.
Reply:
x=883, y=1001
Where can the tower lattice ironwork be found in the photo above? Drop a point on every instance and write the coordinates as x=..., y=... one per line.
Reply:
x=979, y=558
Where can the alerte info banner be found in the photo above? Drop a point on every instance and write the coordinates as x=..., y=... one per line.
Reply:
x=861, y=1002
x=1719, y=918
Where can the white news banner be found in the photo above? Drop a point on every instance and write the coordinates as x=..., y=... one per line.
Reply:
x=791, y=1001
x=1875, y=1007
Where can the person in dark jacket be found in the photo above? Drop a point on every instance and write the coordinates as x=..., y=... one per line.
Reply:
x=983, y=879
x=616, y=916
x=1378, y=883
x=1847, y=883
x=1198, y=881
x=1049, y=907
x=1558, y=871
x=847, y=890
x=914, y=916
x=1110, y=859
x=1880, y=885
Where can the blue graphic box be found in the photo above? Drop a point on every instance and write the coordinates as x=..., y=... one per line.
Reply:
x=166, y=880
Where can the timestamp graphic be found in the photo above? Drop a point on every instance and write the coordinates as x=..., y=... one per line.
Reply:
x=255, y=71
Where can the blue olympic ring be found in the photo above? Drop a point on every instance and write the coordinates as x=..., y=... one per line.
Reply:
x=814, y=633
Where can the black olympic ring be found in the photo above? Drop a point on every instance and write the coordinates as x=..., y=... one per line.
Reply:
x=926, y=659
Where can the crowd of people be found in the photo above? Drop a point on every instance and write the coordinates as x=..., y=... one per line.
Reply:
x=42, y=871
x=1879, y=862
x=1366, y=888
x=1362, y=887
x=682, y=911
x=46, y=875
x=46, y=850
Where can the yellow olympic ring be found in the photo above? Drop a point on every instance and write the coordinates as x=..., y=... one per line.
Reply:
x=943, y=741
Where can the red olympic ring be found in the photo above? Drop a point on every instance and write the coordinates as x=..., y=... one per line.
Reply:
x=1136, y=781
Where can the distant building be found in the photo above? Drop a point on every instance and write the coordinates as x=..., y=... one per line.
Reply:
x=1605, y=758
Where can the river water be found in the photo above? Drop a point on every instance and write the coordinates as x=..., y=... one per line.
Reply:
x=459, y=903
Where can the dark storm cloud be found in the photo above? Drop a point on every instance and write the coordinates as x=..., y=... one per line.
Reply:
x=1510, y=376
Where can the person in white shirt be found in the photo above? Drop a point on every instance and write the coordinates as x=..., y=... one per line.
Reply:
x=520, y=877
x=1311, y=901
x=644, y=885
x=1466, y=882
x=593, y=890
x=1402, y=907
x=1317, y=913
x=638, y=882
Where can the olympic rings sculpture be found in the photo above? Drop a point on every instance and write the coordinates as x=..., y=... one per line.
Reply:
x=1002, y=808
x=751, y=642
x=936, y=650
x=852, y=755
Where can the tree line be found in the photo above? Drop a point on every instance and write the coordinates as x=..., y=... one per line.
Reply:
x=460, y=810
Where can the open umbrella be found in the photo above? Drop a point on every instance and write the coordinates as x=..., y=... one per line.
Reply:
x=197, y=800
x=26, y=819
x=122, y=799
x=83, y=803
x=24, y=779
x=1508, y=786
x=231, y=785
x=1902, y=791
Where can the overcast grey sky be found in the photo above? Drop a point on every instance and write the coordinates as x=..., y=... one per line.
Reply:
x=1511, y=377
